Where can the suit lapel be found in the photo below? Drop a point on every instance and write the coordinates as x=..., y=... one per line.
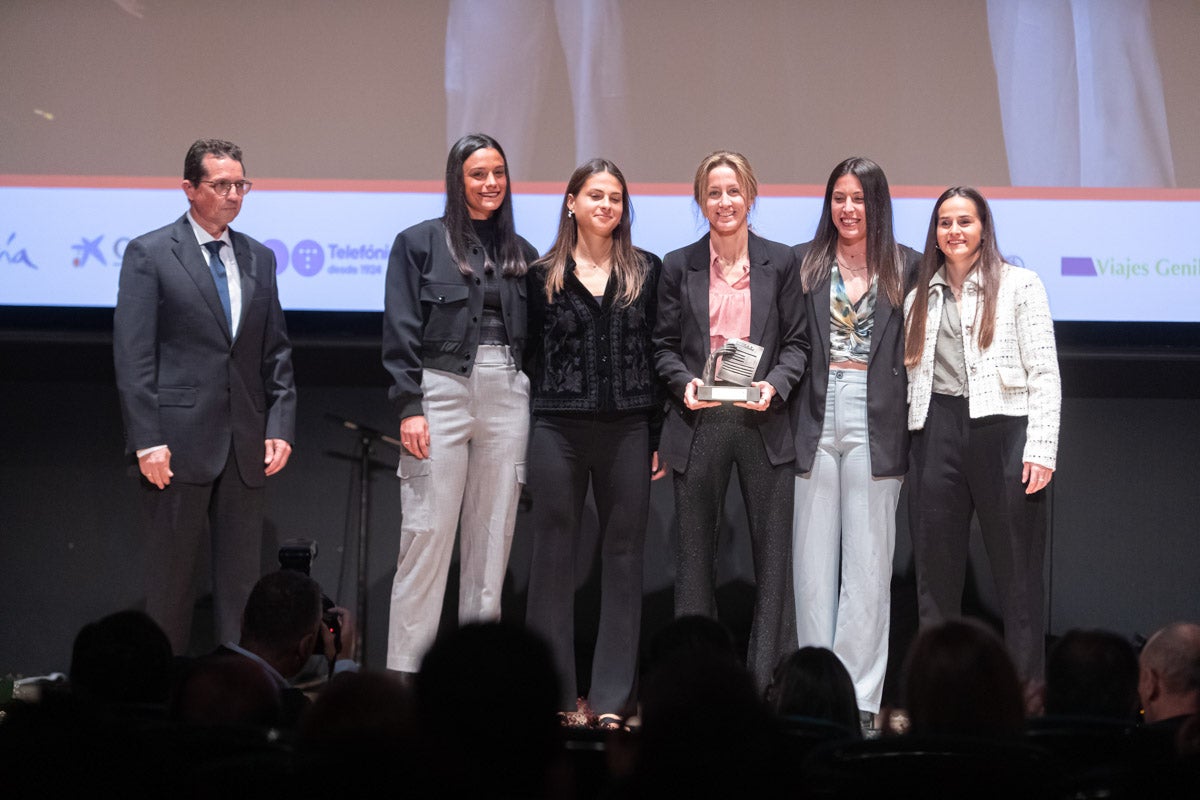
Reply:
x=699, y=268
x=762, y=289
x=820, y=312
x=883, y=315
x=246, y=270
x=191, y=257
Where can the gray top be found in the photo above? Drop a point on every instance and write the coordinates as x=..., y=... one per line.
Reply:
x=949, y=364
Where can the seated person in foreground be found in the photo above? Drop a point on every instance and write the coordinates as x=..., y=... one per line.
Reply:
x=1092, y=673
x=281, y=626
x=813, y=683
x=1169, y=675
x=960, y=681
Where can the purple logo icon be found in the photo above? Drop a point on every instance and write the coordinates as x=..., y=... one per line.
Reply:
x=88, y=249
x=1078, y=266
x=308, y=257
x=281, y=254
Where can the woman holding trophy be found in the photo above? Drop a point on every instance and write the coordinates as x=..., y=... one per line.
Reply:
x=732, y=291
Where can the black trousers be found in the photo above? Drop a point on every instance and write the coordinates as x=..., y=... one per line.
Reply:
x=176, y=519
x=612, y=453
x=962, y=466
x=724, y=438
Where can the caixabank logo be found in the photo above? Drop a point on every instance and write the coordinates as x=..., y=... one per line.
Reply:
x=96, y=251
x=104, y=250
x=310, y=257
x=1129, y=268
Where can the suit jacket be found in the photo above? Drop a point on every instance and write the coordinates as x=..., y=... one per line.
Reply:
x=887, y=379
x=681, y=340
x=183, y=380
x=1017, y=375
x=432, y=312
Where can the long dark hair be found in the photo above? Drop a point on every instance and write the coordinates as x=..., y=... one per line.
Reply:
x=460, y=235
x=628, y=267
x=883, y=254
x=989, y=263
x=959, y=680
x=813, y=682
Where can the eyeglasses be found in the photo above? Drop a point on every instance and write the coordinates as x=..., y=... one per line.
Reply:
x=222, y=187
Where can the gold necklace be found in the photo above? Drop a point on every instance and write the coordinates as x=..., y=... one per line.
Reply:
x=850, y=269
x=605, y=268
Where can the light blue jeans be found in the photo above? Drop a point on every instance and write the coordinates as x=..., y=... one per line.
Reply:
x=843, y=539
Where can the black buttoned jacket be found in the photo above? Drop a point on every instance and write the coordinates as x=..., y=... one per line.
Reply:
x=432, y=311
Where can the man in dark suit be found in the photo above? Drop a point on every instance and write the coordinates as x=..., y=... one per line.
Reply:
x=204, y=372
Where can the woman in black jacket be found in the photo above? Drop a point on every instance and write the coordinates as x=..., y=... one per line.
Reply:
x=454, y=330
x=851, y=425
x=595, y=396
x=732, y=284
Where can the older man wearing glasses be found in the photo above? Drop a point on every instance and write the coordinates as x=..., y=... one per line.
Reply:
x=204, y=373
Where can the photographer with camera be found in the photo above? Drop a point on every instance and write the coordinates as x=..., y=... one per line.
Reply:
x=284, y=620
x=281, y=627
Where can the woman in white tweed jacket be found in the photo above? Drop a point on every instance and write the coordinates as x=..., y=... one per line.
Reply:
x=984, y=400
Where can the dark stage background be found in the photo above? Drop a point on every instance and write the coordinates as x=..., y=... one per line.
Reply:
x=1124, y=550
x=325, y=94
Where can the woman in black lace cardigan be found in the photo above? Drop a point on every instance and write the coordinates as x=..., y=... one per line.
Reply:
x=596, y=407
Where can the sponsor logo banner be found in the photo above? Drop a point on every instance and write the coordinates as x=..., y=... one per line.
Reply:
x=1100, y=259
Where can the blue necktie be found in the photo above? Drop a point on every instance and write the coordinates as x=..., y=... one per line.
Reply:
x=217, y=267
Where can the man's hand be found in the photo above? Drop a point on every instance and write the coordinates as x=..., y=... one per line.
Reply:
x=278, y=452
x=155, y=467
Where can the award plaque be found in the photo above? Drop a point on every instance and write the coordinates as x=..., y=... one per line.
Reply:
x=731, y=382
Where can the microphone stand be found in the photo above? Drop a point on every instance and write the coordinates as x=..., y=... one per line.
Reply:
x=366, y=435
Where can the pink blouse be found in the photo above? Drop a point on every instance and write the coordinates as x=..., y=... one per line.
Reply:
x=728, y=303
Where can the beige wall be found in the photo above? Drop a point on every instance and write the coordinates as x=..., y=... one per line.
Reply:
x=315, y=89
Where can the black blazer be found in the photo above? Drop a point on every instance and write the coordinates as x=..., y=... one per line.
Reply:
x=431, y=311
x=887, y=379
x=681, y=340
x=182, y=379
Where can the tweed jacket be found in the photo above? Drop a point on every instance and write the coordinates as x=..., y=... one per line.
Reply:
x=1016, y=376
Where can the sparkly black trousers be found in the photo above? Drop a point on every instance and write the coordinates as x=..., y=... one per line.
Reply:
x=725, y=437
